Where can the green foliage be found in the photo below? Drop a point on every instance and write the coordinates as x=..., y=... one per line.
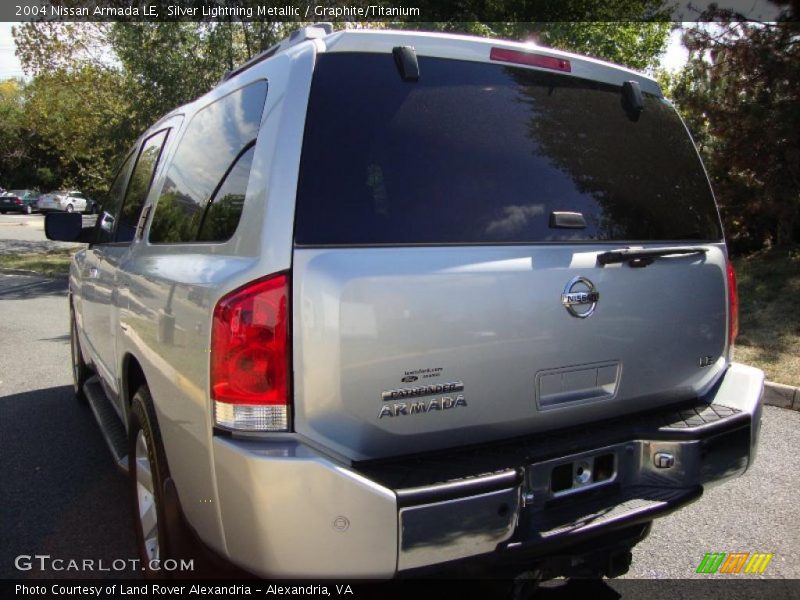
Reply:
x=44, y=47
x=79, y=121
x=168, y=64
x=739, y=96
x=636, y=45
x=46, y=178
x=13, y=150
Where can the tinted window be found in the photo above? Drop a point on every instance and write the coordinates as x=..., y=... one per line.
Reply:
x=213, y=140
x=141, y=178
x=483, y=153
x=112, y=203
x=225, y=208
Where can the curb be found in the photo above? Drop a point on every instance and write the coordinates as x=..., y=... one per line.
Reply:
x=4, y=271
x=783, y=396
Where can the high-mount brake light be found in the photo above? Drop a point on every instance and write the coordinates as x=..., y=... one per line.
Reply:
x=250, y=357
x=528, y=58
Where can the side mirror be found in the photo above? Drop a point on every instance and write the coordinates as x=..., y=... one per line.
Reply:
x=69, y=227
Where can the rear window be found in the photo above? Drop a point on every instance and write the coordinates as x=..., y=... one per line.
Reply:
x=484, y=153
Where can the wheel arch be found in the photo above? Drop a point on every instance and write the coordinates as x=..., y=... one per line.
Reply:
x=133, y=378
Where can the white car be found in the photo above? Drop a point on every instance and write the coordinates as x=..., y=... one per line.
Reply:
x=62, y=200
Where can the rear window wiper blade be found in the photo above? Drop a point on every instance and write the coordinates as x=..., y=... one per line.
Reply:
x=641, y=257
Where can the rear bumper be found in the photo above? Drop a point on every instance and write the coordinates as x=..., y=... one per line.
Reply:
x=290, y=511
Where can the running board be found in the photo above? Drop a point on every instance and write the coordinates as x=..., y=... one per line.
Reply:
x=110, y=424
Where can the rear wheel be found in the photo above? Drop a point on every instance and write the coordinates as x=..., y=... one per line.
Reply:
x=147, y=467
x=80, y=371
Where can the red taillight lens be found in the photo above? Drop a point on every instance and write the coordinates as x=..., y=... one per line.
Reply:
x=733, y=305
x=250, y=357
x=17, y=201
x=528, y=58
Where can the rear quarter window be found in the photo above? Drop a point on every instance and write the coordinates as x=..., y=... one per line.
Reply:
x=477, y=153
x=206, y=158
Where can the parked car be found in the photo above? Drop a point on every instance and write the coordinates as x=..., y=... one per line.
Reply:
x=22, y=201
x=62, y=200
x=432, y=300
x=92, y=206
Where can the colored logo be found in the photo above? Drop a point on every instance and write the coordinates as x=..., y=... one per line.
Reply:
x=734, y=562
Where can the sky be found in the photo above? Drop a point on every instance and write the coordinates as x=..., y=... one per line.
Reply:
x=673, y=60
x=9, y=65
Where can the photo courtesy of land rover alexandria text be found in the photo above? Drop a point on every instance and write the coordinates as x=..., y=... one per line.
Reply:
x=388, y=303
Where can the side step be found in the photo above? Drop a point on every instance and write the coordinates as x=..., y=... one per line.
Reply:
x=110, y=424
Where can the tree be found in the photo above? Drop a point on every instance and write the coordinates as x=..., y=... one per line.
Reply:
x=13, y=151
x=80, y=121
x=47, y=46
x=638, y=45
x=740, y=94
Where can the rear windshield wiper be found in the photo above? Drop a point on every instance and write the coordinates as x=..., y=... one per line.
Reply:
x=641, y=257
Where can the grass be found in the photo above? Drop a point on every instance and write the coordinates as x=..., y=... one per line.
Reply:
x=52, y=263
x=769, y=313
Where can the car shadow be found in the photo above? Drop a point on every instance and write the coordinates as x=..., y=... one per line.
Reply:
x=61, y=493
x=26, y=287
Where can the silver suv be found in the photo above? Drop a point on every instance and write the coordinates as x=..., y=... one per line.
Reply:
x=383, y=302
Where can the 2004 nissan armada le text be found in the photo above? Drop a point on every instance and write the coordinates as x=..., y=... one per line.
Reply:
x=386, y=302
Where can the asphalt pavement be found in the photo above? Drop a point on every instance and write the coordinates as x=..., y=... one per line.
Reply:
x=60, y=492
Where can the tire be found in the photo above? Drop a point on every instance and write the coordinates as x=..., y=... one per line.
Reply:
x=70, y=208
x=147, y=470
x=2, y=212
x=80, y=371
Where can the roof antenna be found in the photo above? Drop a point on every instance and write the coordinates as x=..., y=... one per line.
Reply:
x=405, y=57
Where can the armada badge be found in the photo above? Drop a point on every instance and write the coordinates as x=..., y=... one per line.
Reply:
x=421, y=407
x=580, y=292
x=401, y=402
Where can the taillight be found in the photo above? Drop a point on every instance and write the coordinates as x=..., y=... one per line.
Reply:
x=250, y=357
x=733, y=305
x=528, y=58
x=17, y=201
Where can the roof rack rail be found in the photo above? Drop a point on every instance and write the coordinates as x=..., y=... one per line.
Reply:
x=317, y=30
